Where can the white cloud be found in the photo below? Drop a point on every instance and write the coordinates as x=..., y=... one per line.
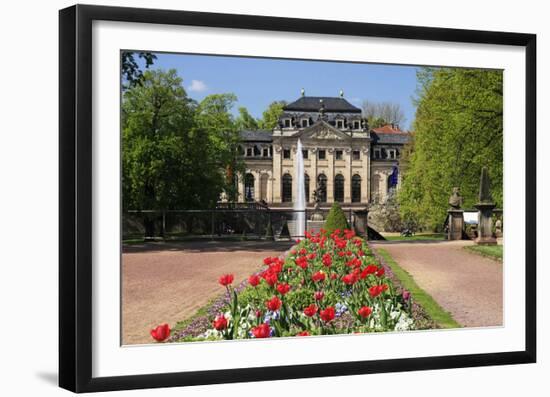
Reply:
x=197, y=86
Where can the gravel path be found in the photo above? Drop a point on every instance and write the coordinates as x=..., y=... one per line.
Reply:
x=168, y=282
x=467, y=285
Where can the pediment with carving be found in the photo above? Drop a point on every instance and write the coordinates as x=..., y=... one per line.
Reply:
x=322, y=131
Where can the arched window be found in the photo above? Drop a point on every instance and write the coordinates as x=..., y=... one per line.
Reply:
x=306, y=187
x=339, y=188
x=355, y=189
x=287, y=188
x=249, y=187
x=322, y=188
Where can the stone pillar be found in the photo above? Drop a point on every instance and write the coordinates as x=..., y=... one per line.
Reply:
x=456, y=224
x=347, y=176
x=312, y=173
x=257, y=185
x=485, y=207
x=277, y=173
x=365, y=176
x=383, y=187
x=240, y=188
x=330, y=176
x=269, y=197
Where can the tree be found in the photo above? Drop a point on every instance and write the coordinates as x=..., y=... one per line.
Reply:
x=457, y=130
x=336, y=219
x=174, y=151
x=382, y=113
x=131, y=72
x=270, y=116
x=245, y=121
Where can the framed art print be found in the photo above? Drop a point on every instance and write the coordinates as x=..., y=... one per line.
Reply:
x=247, y=198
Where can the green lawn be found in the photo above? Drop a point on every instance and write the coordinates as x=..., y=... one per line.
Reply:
x=491, y=251
x=443, y=318
x=416, y=237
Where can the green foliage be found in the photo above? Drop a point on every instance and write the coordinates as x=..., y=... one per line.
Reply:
x=270, y=116
x=131, y=72
x=245, y=121
x=457, y=131
x=336, y=219
x=491, y=251
x=175, y=152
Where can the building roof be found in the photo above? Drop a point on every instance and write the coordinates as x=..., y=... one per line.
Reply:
x=390, y=138
x=256, y=136
x=389, y=129
x=313, y=104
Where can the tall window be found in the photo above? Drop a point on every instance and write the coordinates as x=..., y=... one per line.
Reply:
x=305, y=123
x=249, y=187
x=305, y=153
x=322, y=188
x=306, y=187
x=322, y=154
x=339, y=188
x=286, y=153
x=355, y=189
x=356, y=155
x=338, y=154
x=287, y=188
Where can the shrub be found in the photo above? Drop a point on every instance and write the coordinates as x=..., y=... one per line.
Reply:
x=336, y=219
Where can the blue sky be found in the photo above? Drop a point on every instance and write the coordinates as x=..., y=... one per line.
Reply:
x=258, y=81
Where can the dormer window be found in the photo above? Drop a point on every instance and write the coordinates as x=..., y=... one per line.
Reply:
x=377, y=153
x=305, y=123
x=286, y=123
x=356, y=125
x=265, y=151
x=340, y=124
x=249, y=152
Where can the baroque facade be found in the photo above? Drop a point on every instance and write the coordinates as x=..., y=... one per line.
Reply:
x=344, y=160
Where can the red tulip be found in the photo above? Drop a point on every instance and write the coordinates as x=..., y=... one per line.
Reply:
x=327, y=314
x=283, y=288
x=318, y=295
x=261, y=331
x=220, y=323
x=254, y=280
x=273, y=304
x=310, y=310
x=364, y=312
x=226, y=279
x=376, y=290
x=349, y=279
x=327, y=260
x=303, y=333
x=380, y=272
x=161, y=332
x=319, y=276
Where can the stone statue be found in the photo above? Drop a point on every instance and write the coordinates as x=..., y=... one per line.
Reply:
x=455, y=201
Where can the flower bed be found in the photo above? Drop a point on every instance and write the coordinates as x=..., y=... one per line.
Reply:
x=327, y=284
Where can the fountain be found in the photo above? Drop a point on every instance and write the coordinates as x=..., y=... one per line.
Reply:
x=300, y=203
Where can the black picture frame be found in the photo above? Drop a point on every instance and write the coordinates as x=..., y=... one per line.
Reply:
x=75, y=197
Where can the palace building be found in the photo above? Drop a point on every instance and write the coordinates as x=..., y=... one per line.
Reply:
x=344, y=160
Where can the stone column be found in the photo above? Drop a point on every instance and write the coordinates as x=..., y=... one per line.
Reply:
x=277, y=173
x=240, y=188
x=456, y=224
x=485, y=207
x=383, y=187
x=330, y=176
x=269, y=197
x=365, y=176
x=257, y=185
x=313, y=173
x=347, y=176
